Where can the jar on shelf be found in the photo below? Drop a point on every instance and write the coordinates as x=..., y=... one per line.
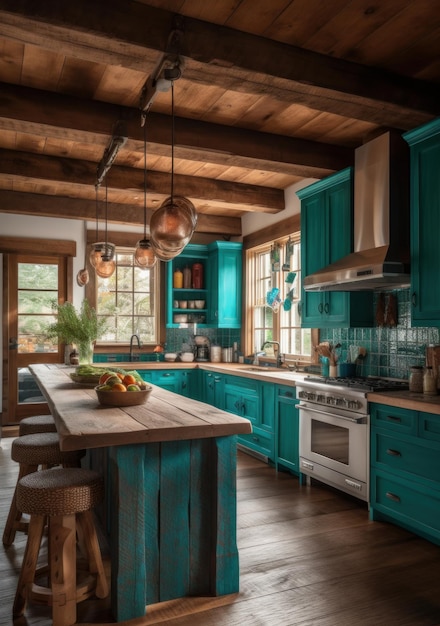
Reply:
x=178, y=279
x=197, y=276
x=186, y=277
x=429, y=382
x=416, y=379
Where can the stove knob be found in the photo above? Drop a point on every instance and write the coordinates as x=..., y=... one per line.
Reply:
x=320, y=397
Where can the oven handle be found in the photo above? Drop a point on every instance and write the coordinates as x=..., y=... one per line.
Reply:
x=355, y=420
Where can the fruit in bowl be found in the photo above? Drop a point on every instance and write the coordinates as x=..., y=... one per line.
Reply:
x=120, y=393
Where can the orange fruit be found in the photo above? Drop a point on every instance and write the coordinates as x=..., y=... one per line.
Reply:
x=119, y=387
x=119, y=375
x=129, y=379
x=104, y=377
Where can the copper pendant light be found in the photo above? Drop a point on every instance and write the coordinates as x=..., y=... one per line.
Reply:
x=107, y=265
x=100, y=249
x=172, y=224
x=144, y=256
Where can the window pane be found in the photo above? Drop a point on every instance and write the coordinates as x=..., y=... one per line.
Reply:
x=128, y=301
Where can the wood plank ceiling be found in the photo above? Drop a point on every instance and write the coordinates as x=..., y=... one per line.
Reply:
x=271, y=93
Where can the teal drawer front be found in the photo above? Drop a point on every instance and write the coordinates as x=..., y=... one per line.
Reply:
x=258, y=441
x=399, y=420
x=406, y=455
x=429, y=427
x=414, y=505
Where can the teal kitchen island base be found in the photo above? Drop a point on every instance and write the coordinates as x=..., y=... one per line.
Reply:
x=172, y=516
x=170, y=507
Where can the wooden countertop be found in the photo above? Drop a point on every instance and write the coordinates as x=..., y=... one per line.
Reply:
x=407, y=400
x=83, y=423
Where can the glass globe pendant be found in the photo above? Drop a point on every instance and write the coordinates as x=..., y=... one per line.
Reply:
x=144, y=256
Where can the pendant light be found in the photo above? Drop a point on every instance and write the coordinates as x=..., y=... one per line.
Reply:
x=172, y=225
x=100, y=248
x=144, y=256
x=106, y=267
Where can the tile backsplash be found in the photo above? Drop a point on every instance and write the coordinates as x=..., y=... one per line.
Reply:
x=390, y=351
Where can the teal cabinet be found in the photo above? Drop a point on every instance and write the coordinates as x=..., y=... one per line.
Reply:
x=213, y=388
x=287, y=429
x=405, y=472
x=424, y=145
x=183, y=382
x=221, y=289
x=255, y=401
x=225, y=271
x=326, y=236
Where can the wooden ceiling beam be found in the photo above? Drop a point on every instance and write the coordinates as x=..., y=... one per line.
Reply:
x=20, y=203
x=115, y=33
x=37, y=112
x=78, y=173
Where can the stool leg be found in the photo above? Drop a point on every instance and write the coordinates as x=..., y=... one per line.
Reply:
x=91, y=545
x=14, y=516
x=29, y=565
x=62, y=538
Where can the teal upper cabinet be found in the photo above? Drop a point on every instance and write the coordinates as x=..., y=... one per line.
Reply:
x=425, y=223
x=193, y=253
x=220, y=290
x=326, y=236
x=225, y=267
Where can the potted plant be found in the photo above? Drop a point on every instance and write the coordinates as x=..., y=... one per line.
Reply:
x=80, y=328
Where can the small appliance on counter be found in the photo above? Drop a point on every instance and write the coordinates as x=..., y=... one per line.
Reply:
x=202, y=348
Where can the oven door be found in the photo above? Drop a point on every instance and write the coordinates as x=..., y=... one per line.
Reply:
x=334, y=448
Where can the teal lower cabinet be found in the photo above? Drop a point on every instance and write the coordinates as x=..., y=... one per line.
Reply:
x=179, y=381
x=255, y=401
x=405, y=469
x=212, y=385
x=287, y=429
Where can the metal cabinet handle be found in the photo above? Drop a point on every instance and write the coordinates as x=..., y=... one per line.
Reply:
x=320, y=307
x=254, y=438
x=392, y=496
x=393, y=452
x=394, y=418
x=414, y=299
x=326, y=308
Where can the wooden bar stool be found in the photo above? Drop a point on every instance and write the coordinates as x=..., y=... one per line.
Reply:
x=65, y=497
x=32, y=451
x=37, y=424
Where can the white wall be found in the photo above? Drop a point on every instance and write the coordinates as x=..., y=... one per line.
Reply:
x=252, y=222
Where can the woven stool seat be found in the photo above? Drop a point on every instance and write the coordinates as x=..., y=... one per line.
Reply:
x=31, y=452
x=42, y=449
x=65, y=498
x=59, y=491
x=37, y=424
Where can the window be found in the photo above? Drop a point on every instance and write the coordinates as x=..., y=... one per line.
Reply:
x=274, y=298
x=129, y=301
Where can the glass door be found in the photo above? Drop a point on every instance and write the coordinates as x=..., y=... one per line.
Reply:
x=33, y=283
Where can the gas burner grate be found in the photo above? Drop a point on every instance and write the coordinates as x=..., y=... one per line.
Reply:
x=362, y=383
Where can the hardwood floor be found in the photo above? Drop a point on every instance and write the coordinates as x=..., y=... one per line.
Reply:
x=308, y=555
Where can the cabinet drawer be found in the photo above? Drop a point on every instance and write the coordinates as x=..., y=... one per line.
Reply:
x=413, y=505
x=259, y=441
x=287, y=393
x=393, y=418
x=429, y=427
x=406, y=455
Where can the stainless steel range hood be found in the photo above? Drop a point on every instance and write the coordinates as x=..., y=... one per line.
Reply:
x=381, y=257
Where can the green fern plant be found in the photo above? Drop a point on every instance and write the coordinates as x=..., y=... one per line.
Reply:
x=76, y=327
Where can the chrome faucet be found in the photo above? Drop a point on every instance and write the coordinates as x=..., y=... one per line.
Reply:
x=276, y=350
x=131, y=345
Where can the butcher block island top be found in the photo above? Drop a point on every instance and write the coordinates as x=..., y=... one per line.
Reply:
x=170, y=487
x=83, y=423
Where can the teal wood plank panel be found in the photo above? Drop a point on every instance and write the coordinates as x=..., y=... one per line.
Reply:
x=127, y=524
x=202, y=516
x=152, y=516
x=174, y=519
x=226, y=562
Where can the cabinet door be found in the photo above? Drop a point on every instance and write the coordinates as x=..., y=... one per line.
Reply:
x=425, y=225
x=287, y=429
x=168, y=379
x=225, y=267
x=213, y=389
x=243, y=403
x=313, y=256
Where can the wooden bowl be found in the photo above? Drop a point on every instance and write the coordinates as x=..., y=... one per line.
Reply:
x=123, y=398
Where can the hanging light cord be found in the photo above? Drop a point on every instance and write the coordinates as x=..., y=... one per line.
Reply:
x=145, y=181
x=96, y=212
x=106, y=215
x=172, y=141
